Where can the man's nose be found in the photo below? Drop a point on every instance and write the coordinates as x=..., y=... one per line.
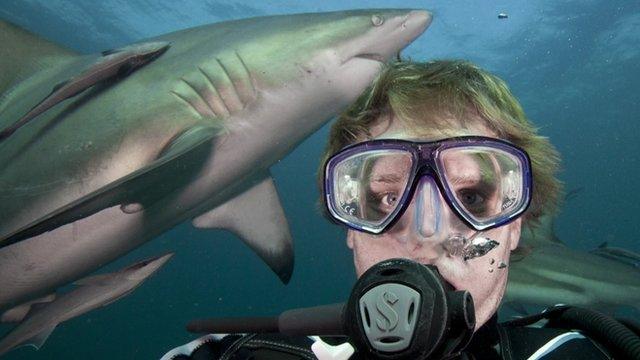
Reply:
x=424, y=220
x=427, y=212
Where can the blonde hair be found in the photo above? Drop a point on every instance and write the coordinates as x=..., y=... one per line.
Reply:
x=457, y=88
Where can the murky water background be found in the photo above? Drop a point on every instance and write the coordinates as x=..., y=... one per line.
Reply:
x=575, y=65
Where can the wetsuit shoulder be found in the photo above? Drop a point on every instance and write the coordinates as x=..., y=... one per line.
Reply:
x=531, y=342
x=244, y=347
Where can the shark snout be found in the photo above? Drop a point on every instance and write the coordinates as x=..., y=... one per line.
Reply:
x=416, y=22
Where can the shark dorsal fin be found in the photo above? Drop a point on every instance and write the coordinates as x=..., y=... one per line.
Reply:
x=23, y=53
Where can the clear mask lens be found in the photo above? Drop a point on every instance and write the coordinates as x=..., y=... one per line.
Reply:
x=368, y=186
x=486, y=184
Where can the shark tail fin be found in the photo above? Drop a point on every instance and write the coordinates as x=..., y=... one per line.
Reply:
x=23, y=53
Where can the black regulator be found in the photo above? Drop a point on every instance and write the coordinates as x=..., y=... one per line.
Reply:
x=398, y=309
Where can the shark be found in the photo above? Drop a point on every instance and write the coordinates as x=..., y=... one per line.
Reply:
x=546, y=273
x=111, y=64
x=90, y=293
x=100, y=153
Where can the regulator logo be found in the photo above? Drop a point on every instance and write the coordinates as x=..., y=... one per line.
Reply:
x=388, y=319
x=388, y=313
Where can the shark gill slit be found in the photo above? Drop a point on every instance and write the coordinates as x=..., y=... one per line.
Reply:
x=186, y=101
x=234, y=93
x=193, y=88
x=215, y=93
x=252, y=80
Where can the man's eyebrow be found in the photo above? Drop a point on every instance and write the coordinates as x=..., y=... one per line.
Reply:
x=471, y=179
x=465, y=178
x=386, y=178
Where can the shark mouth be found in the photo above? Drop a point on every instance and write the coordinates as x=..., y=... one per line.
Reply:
x=374, y=57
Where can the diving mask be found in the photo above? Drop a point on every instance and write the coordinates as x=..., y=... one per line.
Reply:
x=486, y=182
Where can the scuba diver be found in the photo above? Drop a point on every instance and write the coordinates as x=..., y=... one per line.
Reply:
x=433, y=171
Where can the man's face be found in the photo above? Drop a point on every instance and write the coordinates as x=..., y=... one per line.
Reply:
x=416, y=235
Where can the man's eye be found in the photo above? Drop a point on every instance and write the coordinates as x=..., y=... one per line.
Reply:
x=389, y=199
x=470, y=198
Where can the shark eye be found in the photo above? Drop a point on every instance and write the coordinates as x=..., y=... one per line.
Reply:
x=377, y=20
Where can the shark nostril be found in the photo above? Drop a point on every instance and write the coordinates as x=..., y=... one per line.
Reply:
x=377, y=20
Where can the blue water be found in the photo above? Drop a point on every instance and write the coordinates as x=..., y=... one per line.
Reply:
x=575, y=65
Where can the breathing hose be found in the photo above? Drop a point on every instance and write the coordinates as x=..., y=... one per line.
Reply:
x=616, y=337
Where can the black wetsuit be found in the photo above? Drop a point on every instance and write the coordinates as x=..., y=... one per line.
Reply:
x=493, y=341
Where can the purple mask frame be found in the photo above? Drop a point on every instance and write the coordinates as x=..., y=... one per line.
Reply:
x=426, y=161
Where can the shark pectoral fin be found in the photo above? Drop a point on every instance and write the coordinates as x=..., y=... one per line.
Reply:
x=114, y=64
x=143, y=186
x=189, y=140
x=20, y=312
x=40, y=338
x=257, y=217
